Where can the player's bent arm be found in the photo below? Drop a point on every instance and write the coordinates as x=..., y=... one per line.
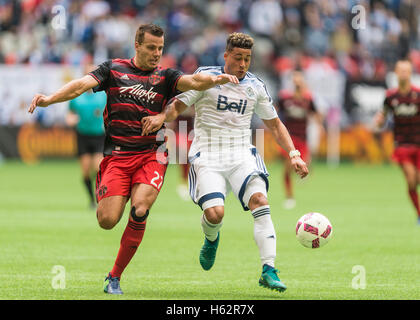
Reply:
x=282, y=137
x=319, y=119
x=280, y=134
x=172, y=110
x=69, y=91
x=202, y=81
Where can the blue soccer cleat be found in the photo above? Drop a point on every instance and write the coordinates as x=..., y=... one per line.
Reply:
x=208, y=253
x=270, y=280
x=112, y=285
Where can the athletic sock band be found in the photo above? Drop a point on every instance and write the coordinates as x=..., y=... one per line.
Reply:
x=261, y=211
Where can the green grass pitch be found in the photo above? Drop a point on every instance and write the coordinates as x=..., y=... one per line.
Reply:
x=45, y=222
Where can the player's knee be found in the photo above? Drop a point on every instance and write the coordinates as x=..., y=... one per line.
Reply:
x=105, y=219
x=139, y=213
x=215, y=214
x=257, y=200
x=411, y=184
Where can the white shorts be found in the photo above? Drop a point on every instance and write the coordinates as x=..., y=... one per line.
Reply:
x=208, y=187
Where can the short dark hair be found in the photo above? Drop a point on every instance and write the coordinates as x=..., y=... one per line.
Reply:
x=149, y=28
x=239, y=40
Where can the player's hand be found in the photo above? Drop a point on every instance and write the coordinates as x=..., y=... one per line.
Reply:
x=300, y=166
x=152, y=123
x=378, y=122
x=72, y=119
x=225, y=78
x=39, y=100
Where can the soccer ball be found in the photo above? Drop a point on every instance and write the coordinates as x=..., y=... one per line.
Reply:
x=313, y=230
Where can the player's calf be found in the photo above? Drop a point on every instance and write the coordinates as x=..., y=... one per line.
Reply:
x=211, y=222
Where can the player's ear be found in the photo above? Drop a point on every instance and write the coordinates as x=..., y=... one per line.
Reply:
x=225, y=55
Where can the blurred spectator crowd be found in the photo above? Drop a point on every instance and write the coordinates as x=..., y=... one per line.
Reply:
x=362, y=39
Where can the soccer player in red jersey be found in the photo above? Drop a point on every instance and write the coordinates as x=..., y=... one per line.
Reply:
x=403, y=103
x=134, y=165
x=295, y=107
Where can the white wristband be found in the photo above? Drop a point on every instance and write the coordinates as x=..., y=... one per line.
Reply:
x=294, y=153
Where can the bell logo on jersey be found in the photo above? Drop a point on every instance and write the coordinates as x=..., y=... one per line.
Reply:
x=223, y=104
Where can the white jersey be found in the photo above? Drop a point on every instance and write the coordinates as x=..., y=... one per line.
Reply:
x=222, y=126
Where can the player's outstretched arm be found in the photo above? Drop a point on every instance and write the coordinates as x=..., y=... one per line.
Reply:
x=282, y=137
x=69, y=91
x=379, y=120
x=202, y=81
x=172, y=110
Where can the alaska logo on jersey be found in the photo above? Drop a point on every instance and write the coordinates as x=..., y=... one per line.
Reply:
x=406, y=110
x=296, y=112
x=224, y=104
x=139, y=91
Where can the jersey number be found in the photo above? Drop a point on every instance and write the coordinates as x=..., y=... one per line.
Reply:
x=156, y=179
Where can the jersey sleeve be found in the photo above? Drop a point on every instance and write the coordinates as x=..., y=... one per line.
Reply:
x=190, y=97
x=264, y=107
x=387, y=105
x=172, y=77
x=101, y=74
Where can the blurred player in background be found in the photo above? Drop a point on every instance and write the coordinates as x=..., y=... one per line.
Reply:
x=183, y=127
x=403, y=103
x=295, y=107
x=222, y=157
x=85, y=112
x=132, y=166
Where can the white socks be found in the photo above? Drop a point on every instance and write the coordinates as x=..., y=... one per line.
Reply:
x=210, y=230
x=264, y=235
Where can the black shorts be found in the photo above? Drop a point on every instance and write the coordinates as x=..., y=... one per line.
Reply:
x=89, y=144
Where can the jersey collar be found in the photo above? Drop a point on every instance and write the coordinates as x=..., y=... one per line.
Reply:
x=134, y=65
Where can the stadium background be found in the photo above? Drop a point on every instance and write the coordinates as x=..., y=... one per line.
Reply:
x=347, y=57
x=347, y=61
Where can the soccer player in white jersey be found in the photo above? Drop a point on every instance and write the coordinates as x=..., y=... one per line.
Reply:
x=222, y=157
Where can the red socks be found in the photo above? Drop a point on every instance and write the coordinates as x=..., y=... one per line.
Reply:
x=185, y=169
x=288, y=185
x=131, y=239
x=415, y=200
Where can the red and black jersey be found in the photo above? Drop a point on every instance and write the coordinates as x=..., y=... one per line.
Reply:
x=294, y=112
x=406, y=112
x=132, y=94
